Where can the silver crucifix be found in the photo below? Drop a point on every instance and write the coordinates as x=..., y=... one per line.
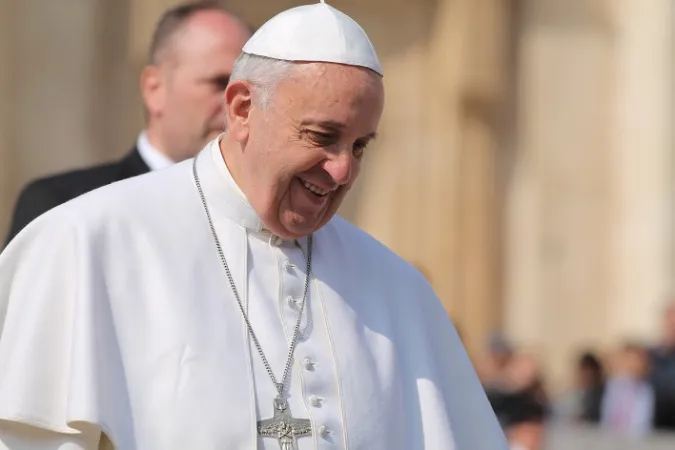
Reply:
x=284, y=427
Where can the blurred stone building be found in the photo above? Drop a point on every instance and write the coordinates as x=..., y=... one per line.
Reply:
x=526, y=159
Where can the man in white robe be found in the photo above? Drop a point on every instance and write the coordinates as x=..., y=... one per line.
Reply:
x=124, y=312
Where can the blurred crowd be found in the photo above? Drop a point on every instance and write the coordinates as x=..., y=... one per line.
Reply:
x=628, y=391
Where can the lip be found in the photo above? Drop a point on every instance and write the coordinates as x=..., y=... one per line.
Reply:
x=313, y=199
x=318, y=184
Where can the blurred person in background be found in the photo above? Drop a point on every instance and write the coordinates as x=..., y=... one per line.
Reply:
x=663, y=373
x=191, y=57
x=514, y=387
x=492, y=369
x=628, y=404
x=521, y=403
x=582, y=402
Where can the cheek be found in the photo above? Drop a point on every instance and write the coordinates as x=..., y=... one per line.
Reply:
x=205, y=106
x=199, y=100
x=283, y=159
x=217, y=103
x=267, y=168
x=182, y=106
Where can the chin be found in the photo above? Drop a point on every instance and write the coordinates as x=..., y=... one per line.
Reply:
x=298, y=226
x=295, y=231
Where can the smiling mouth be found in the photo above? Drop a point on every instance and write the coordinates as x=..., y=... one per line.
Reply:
x=316, y=190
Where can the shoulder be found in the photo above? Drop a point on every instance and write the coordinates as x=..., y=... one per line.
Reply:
x=131, y=200
x=72, y=182
x=348, y=236
x=46, y=193
x=135, y=195
x=367, y=261
x=364, y=249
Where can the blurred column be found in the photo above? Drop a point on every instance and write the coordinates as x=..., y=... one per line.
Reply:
x=482, y=109
x=50, y=50
x=466, y=78
x=53, y=56
x=557, y=199
x=7, y=169
x=436, y=168
x=642, y=165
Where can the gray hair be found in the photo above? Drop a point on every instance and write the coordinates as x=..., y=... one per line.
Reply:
x=263, y=73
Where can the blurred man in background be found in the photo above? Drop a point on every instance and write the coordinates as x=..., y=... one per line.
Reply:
x=521, y=405
x=628, y=403
x=663, y=374
x=492, y=369
x=513, y=383
x=582, y=402
x=191, y=57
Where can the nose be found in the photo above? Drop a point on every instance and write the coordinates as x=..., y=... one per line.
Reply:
x=339, y=167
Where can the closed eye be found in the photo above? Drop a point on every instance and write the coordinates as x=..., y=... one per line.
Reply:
x=359, y=147
x=219, y=83
x=322, y=139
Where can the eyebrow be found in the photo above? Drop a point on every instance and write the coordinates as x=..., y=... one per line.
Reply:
x=334, y=126
x=215, y=77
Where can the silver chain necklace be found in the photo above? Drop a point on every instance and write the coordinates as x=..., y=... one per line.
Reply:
x=282, y=426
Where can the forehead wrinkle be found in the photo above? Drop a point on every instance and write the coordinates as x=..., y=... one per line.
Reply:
x=324, y=85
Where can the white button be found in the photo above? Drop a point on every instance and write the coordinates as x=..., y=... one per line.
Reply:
x=308, y=364
x=323, y=431
x=293, y=303
x=315, y=401
x=276, y=240
x=288, y=265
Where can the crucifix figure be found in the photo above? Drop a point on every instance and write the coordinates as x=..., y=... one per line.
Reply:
x=284, y=427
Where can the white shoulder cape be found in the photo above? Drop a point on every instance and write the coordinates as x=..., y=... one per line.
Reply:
x=101, y=299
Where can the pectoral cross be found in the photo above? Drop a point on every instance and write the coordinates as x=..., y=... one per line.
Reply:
x=284, y=427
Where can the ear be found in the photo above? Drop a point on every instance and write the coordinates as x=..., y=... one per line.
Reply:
x=153, y=90
x=238, y=106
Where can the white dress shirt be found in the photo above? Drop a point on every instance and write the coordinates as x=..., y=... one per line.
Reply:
x=155, y=159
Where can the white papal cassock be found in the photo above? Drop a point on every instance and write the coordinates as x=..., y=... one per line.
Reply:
x=118, y=317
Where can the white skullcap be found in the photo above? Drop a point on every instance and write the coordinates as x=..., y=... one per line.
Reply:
x=314, y=33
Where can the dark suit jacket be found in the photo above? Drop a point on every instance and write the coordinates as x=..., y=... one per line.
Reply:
x=663, y=383
x=43, y=194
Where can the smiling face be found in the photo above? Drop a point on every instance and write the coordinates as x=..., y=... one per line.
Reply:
x=297, y=158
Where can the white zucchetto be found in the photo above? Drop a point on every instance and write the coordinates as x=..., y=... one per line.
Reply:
x=314, y=33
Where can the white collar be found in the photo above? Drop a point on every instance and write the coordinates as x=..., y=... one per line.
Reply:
x=155, y=159
x=222, y=166
x=222, y=194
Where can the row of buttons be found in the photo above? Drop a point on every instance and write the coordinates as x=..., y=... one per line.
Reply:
x=307, y=363
x=315, y=400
